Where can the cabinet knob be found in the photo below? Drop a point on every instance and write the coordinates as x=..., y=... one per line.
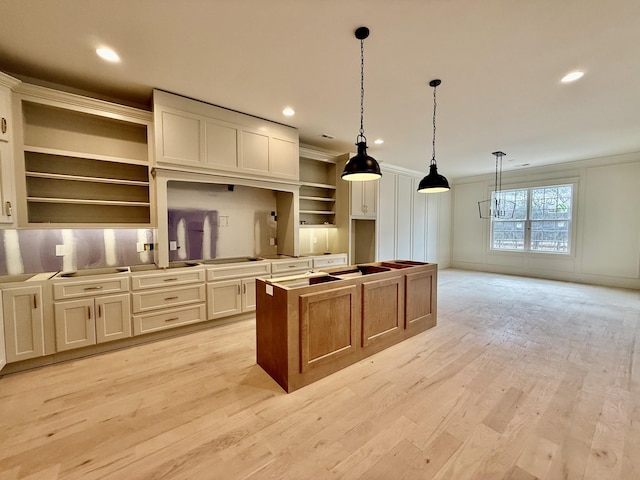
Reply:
x=3, y=124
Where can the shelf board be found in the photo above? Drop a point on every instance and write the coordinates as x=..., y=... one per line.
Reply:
x=78, y=178
x=318, y=199
x=77, y=201
x=319, y=225
x=92, y=156
x=318, y=212
x=317, y=185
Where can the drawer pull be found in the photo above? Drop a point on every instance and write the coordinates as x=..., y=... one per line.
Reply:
x=3, y=123
x=172, y=319
x=93, y=288
x=171, y=298
x=172, y=279
x=291, y=266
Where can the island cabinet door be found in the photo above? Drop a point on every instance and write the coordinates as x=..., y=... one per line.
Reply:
x=419, y=301
x=328, y=322
x=383, y=311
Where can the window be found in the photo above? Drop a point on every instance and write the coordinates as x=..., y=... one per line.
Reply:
x=541, y=220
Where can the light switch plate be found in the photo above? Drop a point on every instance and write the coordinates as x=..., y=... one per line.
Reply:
x=60, y=251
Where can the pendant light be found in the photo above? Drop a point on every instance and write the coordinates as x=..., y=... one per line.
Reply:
x=497, y=207
x=434, y=182
x=361, y=167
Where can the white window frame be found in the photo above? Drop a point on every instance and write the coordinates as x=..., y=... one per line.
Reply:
x=527, y=229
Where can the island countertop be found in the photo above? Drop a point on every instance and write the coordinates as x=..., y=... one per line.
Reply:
x=309, y=326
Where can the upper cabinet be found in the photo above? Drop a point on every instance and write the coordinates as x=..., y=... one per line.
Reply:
x=207, y=139
x=7, y=194
x=363, y=199
x=85, y=161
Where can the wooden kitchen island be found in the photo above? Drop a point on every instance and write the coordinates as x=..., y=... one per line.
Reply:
x=310, y=326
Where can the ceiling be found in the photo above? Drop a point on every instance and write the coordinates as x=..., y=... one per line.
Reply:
x=500, y=62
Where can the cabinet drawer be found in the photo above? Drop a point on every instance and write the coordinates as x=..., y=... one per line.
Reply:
x=175, y=317
x=166, y=279
x=330, y=261
x=250, y=269
x=85, y=288
x=288, y=266
x=167, y=297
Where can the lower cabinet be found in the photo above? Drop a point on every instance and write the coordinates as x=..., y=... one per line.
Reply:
x=23, y=322
x=231, y=288
x=231, y=297
x=168, y=299
x=87, y=321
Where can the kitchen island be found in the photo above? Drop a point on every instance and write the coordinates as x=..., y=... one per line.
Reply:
x=309, y=326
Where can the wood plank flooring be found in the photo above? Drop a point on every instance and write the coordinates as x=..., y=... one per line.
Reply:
x=522, y=379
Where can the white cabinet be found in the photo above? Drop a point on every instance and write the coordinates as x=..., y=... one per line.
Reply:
x=386, y=223
x=91, y=311
x=6, y=183
x=232, y=288
x=293, y=266
x=328, y=261
x=204, y=137
x=87, y=321
x=7, y=192
x=363, y=199
x=404, y=216
x=167, y=299
x=23, y=322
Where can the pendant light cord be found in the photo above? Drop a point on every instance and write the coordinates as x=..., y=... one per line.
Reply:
x=433, y=156
x=361, y=136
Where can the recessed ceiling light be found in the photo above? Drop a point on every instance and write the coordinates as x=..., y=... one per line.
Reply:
x=288, y=112
x=572, y=76
x=107, y=54
x=378, y=141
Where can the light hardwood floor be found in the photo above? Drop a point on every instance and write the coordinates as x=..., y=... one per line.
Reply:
x=521, y=379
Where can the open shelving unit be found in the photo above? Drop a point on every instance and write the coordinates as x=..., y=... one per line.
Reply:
x=85, y=162
x=317, y=189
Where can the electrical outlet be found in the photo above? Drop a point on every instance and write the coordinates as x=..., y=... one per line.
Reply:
x=223, y=221
x=272, y=241
x=139, y=247
x=173, y=245
x=60, y=251
x=314, y=240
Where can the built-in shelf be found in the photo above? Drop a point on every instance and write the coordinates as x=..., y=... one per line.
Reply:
x=85, y=161
x=317, y=189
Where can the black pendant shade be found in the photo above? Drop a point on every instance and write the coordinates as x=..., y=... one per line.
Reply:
x=361, y=167
x=434, y=182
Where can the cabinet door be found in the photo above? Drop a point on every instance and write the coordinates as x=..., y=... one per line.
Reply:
x=357, y=197
x=6, y=183
x=181, y=138
x=3, y=349
x=404, y=217
x=386, y=228
x=419, y=240
x=255, y=152
x=5, y=107
x=113, y=317
x=23, y=318
x=283, y=158
x=222, y=146
x=369, y=198
x=224, y=299
x=248, y=294
x=75, y=324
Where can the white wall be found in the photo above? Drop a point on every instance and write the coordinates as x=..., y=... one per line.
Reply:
x=606, y=231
